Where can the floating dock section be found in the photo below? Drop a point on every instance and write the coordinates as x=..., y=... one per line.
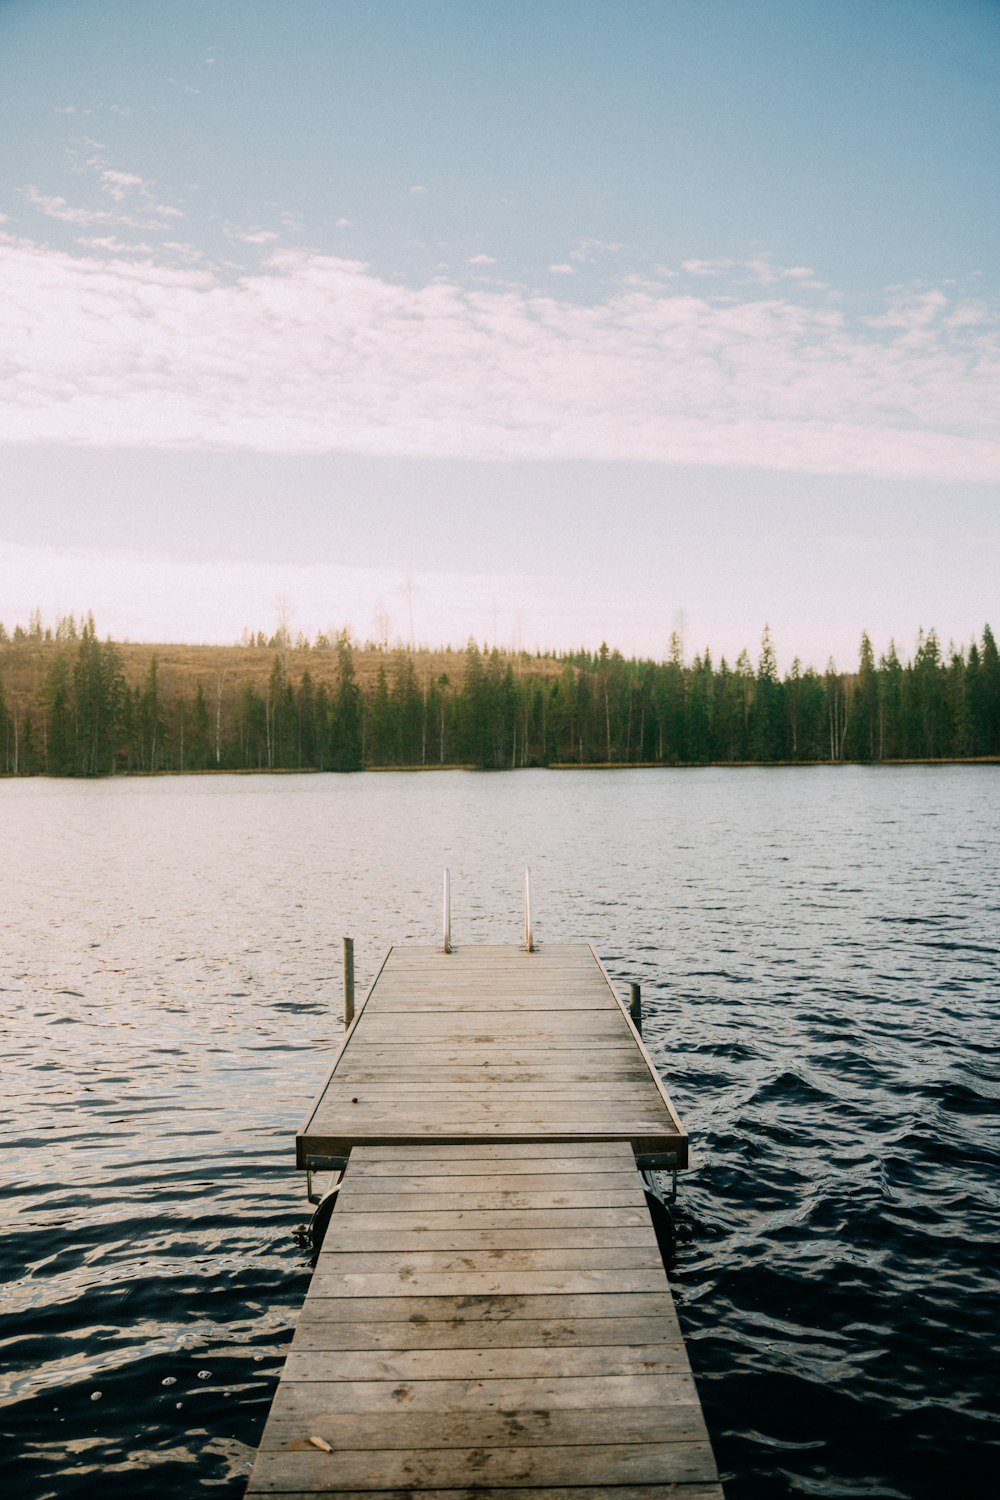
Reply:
x=489, y=1312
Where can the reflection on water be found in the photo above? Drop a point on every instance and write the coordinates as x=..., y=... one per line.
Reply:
x=819, y=952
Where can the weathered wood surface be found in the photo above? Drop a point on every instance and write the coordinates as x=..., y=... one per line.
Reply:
x=456, y=1353
x=491, y=1044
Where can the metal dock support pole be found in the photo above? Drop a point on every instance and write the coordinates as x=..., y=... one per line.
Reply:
x=529, y=940
x=348, y=981
x=446, y=913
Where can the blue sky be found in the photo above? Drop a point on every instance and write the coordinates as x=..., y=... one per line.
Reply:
x=549, y=322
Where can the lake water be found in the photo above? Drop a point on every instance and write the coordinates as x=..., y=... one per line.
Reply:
x=819, y=951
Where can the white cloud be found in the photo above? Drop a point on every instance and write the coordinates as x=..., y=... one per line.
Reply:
x=55, y=207
x=589, y=250
x=181, y=247
x=116, y=246
x=102, y=350
x=418, y=187
x=343, y=224
x=563, y=268
x=705, y=267
x=115, y=184
x=254, y=236
x=482, y=260
x=118, y=184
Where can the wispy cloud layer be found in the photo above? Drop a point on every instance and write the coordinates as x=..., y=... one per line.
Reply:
x=313, y=353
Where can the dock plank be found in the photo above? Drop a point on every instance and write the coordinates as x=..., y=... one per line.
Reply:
x=643, y=1463
x=334, y=1331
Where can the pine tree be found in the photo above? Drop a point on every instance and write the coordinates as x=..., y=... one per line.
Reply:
x=928, y=709
x=346, y=711
x=476, y=708
x=199, y=734
x=407, y=711
x=60, y=748
x=152, y=728
x=765, y=725
x=98, y=690
x=890, y=730
x=991, y=693
x=698, y=729
x=835, y=692
x=305, y=718
x=5, y=735
x=379, y=746
x=862, y=739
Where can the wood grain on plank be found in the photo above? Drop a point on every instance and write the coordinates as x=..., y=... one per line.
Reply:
x=335, y=1331
x=642, y=1463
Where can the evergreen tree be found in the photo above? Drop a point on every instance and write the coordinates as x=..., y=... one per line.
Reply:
x=670, y=699
x=60, y=745
x=407, y=711
x=252, y=728
x=974, y=701
x=5, y=736
x=836, y=705
x=346, y=711
x=990, y=667
x=698, y=728
x=890, y=728
x=745, y=683
x=728, y=714
x=476, y=709
x=379, y=736
x=560, y=717
x=305, y=718
x=959, y=726
x=322, y=728
x=926, y=700
x=199, y=734
x=152, y=729
x=98, y=689
x=765, y=721
x=862, y=738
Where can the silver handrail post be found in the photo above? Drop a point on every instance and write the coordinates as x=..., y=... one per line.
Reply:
x=529, y=941
x=446, y=914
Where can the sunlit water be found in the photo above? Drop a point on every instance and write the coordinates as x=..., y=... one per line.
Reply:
x=819, y=952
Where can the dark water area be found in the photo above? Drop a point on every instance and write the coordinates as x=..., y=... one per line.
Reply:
x=819, y=951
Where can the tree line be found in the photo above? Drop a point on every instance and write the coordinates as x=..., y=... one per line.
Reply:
x=499, y=711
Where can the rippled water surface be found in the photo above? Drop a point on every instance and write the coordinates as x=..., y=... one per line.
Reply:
x=819, y=951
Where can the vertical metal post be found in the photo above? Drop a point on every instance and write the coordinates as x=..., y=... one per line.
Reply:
x=529, y=941
x=348, y=981
x=446, y=914
x=635, y=1006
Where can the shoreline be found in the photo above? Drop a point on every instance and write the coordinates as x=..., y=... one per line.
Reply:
x=589, y=765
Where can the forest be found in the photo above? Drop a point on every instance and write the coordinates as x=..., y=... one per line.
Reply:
x=72, y=704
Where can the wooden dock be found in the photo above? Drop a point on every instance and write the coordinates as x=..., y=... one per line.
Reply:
x=489, y=1312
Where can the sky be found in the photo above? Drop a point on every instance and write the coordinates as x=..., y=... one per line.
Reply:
x=538, y=322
